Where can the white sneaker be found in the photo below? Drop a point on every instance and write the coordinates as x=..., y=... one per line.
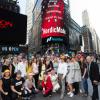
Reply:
x=61, y=97
x=71, y=95
x=54, y=91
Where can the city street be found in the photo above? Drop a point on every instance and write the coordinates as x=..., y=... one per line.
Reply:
x=47, y=47
x=57, y=97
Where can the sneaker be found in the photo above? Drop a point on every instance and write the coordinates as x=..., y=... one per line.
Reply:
x=71, y=95
x=50, y=95
x=68, y=93
x=85, y=95
x=54, y=91
x=62, y=96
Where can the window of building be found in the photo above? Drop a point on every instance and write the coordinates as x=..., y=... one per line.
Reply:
x=50, y=14
x=55, y=3
x=55, y=20
x=48, y=20
x=57, y=14
x=52, y=8
x=58, y=8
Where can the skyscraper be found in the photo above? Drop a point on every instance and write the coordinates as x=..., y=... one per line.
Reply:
x=85, y=19
x=35, y=38
x=94, y=37
x=29, y=8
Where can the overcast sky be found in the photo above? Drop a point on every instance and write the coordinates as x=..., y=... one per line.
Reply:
x=76, y=8
x=93, y=8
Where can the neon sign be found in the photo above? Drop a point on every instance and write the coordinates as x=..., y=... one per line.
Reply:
x=5, y=24
x=52, y=19
x=10, y=49
x=54, y=39
x=54, y=30
x=12, y=26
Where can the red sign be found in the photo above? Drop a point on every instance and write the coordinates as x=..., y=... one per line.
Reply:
x=52, y=20
x=4, y=24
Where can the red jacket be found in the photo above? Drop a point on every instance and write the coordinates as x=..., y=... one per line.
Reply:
x=48, y=85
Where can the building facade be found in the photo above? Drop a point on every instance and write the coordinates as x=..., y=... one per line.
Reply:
x=35, y=37
x=72, y=31
x=29, y=8
x=85, y=19
x=75, y=42
x=53, y=31
x=10, y=15
x=89, y=35
x=95, y=40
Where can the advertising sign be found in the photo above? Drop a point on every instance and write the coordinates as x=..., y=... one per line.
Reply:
x=52, y=19
x=12, y=50
x=13, y=28
x=54, y=39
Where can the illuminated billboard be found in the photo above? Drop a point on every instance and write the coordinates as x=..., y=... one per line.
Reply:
x=13, y=28
x=52, y=19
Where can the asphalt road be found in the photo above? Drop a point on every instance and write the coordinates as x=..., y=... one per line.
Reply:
x=57, y=97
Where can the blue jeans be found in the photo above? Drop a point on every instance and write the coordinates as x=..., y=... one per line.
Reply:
x=85, y=85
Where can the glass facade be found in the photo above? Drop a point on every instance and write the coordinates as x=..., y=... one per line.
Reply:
x=35, y=39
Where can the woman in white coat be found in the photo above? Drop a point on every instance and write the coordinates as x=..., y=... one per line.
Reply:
x=70, y=76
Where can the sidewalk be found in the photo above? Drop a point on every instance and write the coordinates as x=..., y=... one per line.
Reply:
x=57, y=97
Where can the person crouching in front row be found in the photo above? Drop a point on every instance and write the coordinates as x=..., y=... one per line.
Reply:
x=29, y=86
x=54, y=79
x=47, y=85
x=17, y=86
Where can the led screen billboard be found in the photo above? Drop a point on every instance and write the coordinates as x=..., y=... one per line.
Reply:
x=13, y=28
x=52, y=19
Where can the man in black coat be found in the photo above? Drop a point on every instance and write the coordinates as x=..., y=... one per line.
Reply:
x=94, y=77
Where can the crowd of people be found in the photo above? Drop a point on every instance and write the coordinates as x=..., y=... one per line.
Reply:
x=22, y=78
